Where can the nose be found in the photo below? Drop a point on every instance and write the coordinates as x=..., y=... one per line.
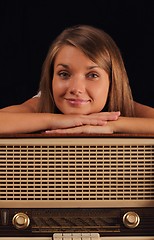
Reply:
x=76, y=86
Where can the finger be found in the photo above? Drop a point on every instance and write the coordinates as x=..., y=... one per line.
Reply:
x=64, y=131
x=83, y=130
x=80, y=121
x=106, y=115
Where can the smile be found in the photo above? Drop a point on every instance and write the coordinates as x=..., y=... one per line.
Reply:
x=76, y=102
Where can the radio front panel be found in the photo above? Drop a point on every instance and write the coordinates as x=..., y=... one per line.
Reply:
x=78, y=185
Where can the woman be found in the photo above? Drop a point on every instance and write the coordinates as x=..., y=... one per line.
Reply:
x=84, y=89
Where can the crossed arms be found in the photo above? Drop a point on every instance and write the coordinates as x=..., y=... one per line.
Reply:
x=24, y=118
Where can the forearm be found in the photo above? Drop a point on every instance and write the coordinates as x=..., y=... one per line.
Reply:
x=23, y=122
x=132, y=125
x=11, y=122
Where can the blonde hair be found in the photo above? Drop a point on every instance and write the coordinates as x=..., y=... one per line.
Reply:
x=98, y=46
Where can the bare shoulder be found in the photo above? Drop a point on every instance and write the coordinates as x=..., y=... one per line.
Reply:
x=29, y=106
x=142, y=110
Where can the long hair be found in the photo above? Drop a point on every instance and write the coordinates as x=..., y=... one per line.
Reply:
x=98, y=46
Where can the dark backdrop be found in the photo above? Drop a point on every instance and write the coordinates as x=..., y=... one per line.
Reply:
x=28, y=27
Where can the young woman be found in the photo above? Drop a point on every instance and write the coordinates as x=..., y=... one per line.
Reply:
x=84, y=89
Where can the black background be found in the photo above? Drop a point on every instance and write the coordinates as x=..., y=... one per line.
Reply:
x=27, y=29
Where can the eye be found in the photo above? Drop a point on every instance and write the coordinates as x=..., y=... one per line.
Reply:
x=64, y=74
x=93, y=75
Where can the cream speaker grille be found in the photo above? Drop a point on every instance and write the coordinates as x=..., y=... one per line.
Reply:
x=90, y=169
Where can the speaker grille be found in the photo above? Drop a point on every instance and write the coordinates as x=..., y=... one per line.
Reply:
x=77, y=169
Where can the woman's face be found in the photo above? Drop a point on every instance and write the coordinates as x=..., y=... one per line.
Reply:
x=79, y=85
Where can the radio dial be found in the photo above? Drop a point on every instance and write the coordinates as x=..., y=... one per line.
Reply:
x=131, y=219
x=21, y=221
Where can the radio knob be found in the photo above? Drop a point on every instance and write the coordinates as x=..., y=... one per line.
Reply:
x=20, y=220
x=131, y=220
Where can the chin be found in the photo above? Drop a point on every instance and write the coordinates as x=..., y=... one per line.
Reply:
x=76, y=112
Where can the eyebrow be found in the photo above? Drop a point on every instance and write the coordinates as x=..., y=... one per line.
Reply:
x=67, y=66
x=63, y=65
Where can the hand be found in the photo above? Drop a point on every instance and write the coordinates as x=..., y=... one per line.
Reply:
x=61, y=121
x=86, y=129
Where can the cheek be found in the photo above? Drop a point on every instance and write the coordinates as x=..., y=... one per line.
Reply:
x=101, y=92
x=59, y=89
x=101, y=95
x=55, y=90
x=56, y=87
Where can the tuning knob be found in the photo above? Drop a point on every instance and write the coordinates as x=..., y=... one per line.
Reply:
x=21, y=220
x=131, y=219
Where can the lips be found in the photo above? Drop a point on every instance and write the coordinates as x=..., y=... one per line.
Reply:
x=76, y=101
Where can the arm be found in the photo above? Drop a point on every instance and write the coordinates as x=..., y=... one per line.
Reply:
x=24, y=118
x=29, y=106
x=132, y=125
x=143, y=123
x=21, y=118
x=143, y=110
x=121, y=125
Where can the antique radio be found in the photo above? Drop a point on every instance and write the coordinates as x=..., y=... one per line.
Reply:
x=77, y=187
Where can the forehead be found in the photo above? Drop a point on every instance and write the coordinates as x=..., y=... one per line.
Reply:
x=70, y=53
